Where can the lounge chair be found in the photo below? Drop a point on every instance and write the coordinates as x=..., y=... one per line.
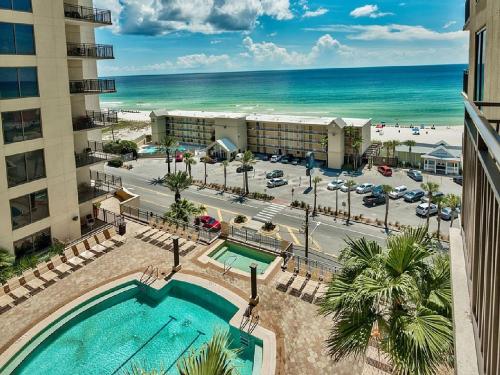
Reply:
x=160, y=240
x=142, y=231
x=284, y=281
x=297, y=285
x=321, y=293
x=58, y=264
x=45, y=273
x=81, y=251
x=156, y=236
x=31, y=281
x=17, y=290
x=101, y=239
x=5, y=299
x=110, y=234
x=150, y=234
x=309, y=290
x=72, y=259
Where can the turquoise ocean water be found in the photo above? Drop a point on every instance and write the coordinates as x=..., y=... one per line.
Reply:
x=408, y=95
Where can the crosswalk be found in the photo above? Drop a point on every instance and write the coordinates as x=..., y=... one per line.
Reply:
x=268, y=213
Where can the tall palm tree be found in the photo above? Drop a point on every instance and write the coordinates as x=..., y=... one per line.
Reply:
x=178, y=182
x=187, y=155
x=6, y=265
x=400, y=297
x=387, y=147
x=246, y=161
x=410, y=143
x=316, y=180
x=205, y=160
x=168, y=143
x=430, y=188
x=439, y=201
x=386, y=189
x=213, y=358
x=225, y=164
x=189, y=160
x=453, y=201
x=350, y=184
x=394, y=143
x=324, y=143
x=357, y=142
x=183, y=211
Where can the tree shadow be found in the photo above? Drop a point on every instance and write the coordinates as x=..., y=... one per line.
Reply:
x=157, y=181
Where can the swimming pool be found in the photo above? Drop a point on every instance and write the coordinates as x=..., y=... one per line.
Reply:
x=153, y=149
x=241, y=257
x=134, y=324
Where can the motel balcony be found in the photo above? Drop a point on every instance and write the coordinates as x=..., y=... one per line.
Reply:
x=92, y=86
x=94, y=120
x=92, y=51
x=86, y=14
x=100, y=184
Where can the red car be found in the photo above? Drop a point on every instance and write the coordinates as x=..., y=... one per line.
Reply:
x=179, y=157
x=209, y=223
x=385, y=170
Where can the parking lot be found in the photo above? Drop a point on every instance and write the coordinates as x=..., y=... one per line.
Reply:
x=298, y=182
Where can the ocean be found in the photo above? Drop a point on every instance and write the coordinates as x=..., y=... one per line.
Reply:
x=405, y=95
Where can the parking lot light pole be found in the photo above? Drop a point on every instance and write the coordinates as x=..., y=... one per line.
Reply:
x=306, y=232
x=336, y=203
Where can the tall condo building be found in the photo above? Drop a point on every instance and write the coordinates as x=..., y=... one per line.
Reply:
x=50, y=119
x=475, y=247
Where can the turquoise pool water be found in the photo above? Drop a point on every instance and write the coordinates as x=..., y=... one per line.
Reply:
x=241, y=257
x=152, y=149
x=138, y=325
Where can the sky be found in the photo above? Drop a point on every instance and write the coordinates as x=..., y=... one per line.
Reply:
x=186, y=36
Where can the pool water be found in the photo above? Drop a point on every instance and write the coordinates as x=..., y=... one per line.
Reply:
x=241, y=257
x=139, y=326
x=153, y=149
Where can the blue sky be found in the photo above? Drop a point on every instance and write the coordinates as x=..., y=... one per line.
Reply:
x=180, y=36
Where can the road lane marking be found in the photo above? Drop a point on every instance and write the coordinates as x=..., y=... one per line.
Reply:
x=278, y=236
x=315, y=243
x=292, y=234
x=219, y=213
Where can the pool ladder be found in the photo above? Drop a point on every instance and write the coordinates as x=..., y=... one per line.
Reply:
x=228, y=265
x=250, y=322
x=150, y=275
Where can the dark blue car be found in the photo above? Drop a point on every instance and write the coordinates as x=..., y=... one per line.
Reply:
x=413, y=195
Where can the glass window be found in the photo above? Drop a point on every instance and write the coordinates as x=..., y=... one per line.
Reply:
x=12, y=125
x=35, y=242
x=6, y=4
x=7, y=40
x=480, y=61
x=9, y=86
x=29, y=208
x=25, y=41
x=35, y=165
x=22, y=5
x=25, y=167
x=28, y=82
x=32, y=124
x=39, y=205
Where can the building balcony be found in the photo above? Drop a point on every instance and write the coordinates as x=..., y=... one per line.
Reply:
x=95, y=120
x=100, y=184
x=86, y=14
x=92, y=86
x=93, y=51
x=467, y=11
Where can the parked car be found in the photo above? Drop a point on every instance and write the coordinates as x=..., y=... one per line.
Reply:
x=447, y=213
x=398, y=192
x=179, y=157
x=275, y=182
x=286, y=160
x=364, y=188
x=344, y=188
x=238, y=156
x=385, y=170
x=275, y=174
x=422, y=209
x=242, y=169
x=373, y=200
x=295, y=162
x=265, y=158
x=209, y=223
x=335, y=184
x=413, y=195
x=458, y=180
x=437, y=194
x=415, y=175
x=275, y=158
x=211, y=160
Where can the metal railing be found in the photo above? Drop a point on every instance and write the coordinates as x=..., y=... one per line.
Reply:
x=95, y=153
x=89, y=192
x=323, y=268
x=110, y=217
x=106, y=179
x=467, y=10
x=92, y=86
x=81, y=13
x=95, y=119
x=95, y=51
x=465, y=81
x=254, y=238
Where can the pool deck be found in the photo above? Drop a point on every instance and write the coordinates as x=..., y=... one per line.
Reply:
x=299, y=331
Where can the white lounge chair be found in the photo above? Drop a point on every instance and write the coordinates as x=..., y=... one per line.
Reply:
x=17, y=290
x=321, y=293
x=309, y=290
x=46, y=273
x=297, y=285
x=57, y=264
x=101, y=239
x=284, y=280
x=115, y=237
x=31, y=280
x=5, y=299
x=142, y=231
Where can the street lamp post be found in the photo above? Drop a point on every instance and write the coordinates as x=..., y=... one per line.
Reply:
x=336, y=203
x=306, y=232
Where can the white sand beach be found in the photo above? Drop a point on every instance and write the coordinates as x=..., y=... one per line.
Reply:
x=142, y=116
x=450, y=134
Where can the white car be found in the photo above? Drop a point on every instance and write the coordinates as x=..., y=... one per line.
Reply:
x=335, y=184
x=239, y=156
x=345, y=189
x=275, y=158
x=398, y=192
x=422, y=209
x=364, y=188
x=274, y=182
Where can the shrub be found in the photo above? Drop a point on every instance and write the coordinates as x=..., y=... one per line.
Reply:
x=295, y=203
x=268, y=226
x=115, y=163
x=240, y=219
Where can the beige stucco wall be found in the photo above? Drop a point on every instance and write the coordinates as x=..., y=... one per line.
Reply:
x=233, y=129
x=157, y=128
x=336, y=150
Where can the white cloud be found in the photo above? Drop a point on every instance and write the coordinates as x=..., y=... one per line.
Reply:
x=200, y=60
x=315, y=13
x=159, y=17
x=449, y=24
x=368, y=11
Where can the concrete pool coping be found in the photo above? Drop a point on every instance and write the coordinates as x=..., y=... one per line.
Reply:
x=268, y=274
x=268, y=338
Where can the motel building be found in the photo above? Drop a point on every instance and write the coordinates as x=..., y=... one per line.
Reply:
x=224, y=134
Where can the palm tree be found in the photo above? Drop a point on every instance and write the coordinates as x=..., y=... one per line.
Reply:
x=386, y=189
x=394, y=143
x=399, y=297
x=168, y=143
x=214, y=358
x=246, y=161
x=316, y=180
x=410, y=143
x=178, y=182
x=430, y=188
x=439, y=201
x=452, y=201
x=350, y=184
x=183, y=211
x=357, y=142
x=225, y=164
x=205, y=160
x=324, y=143
x=6, y=265
x=189, y=160
x=387, y=147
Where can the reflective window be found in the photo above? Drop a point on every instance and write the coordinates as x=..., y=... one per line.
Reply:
x=21, y=125
x=9, y=86
x=28, y=82
x=18, y=83
x=29, y=208
x=480, y=61
x=35, y=242
x=19, y=5
x=25, y=167
x=7, y=40
x=25, y=40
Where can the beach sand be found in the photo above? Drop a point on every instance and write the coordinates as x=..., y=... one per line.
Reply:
x=450, y=134
x=140, y=116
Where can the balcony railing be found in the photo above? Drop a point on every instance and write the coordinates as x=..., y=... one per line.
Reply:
x=81, y=13
x=106, y=179
x=95, y=51
x=466, y=81
x=95, y=119
x=92, y=86
x=95, y=153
